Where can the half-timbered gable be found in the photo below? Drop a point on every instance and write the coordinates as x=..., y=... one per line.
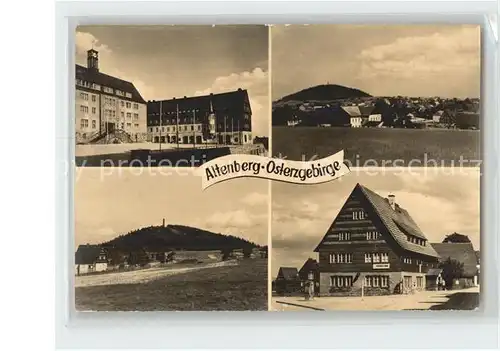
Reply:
x=373, y=237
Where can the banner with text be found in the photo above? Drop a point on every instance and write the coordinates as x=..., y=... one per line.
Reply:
x=298, y=172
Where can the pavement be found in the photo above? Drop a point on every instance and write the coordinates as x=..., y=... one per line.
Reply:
x=105, y=149
x=424, y=300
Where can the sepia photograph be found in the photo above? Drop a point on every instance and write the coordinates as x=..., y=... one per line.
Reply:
x=157, y=242
x=170, y=95
x=378, y=240
x=388, y=95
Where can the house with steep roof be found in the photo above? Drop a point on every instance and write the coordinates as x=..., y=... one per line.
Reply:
x=464, y=253
x=373, y=247
x=90, y=258
x=358, y=115
x=288, y=281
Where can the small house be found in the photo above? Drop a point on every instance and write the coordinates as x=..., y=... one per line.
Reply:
x=433, y=278
x=188, y=256
x=309, y=270
x=465, y=254
x=288, y=281
x=437, y=117
x=237, y=254
x=90, y=258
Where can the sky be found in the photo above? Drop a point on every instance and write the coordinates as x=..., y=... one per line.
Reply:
x=441, y=201
x=382, y=60
x=165, y=62
x=113, y=201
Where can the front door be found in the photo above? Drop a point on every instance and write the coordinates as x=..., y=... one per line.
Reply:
x=110, y=127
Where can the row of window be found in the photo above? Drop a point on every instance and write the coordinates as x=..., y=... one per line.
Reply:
x=376, y=257
x=88, y=85
x=372, y=281
x=372, y=235
x=341, y=281
x=370, y=257
x=190, y=121
x=193, y=111
x=409, y=260
x=110, y=101
x=341, y=258
x=181, y=128
x=108, y=112
x=376, y=281
x=344, y=236
x=358, y=215
x=415, y=240
x=84, y=123
x=129, y=115
x=129, y=125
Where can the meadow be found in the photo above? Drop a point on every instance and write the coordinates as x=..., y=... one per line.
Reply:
x=379, y=147
x=228, y=288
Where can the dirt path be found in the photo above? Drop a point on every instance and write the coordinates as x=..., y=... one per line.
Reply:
x=141, y=276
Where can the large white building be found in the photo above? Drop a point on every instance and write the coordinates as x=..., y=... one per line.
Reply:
x=108, y=109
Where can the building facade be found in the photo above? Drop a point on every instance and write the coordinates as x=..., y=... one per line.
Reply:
x=108, y=109
x=90, y=258
x=224, y=119
x=373, y=247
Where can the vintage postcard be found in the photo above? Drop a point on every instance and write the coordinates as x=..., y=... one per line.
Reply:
x=388, y=95
x=170, y=95
x=158, y=242
x=378, y=240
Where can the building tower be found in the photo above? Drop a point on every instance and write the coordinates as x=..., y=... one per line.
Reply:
x=93, y=60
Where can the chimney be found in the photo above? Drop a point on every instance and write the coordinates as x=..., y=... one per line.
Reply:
x=392, y=201
x=163, y=222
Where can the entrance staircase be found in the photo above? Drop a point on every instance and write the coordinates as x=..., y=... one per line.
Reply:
x=118, y=136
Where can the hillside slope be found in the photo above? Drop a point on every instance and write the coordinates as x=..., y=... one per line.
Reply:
x=176, y=237
x=326, y=92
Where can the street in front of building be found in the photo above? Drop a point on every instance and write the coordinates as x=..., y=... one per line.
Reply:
x=464, y=299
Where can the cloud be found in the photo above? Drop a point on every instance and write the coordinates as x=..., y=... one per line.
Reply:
x=85, y=41
x=108, y=63
x=256, y=199
x=453, y=54
x=242, y=223
x=256, y=83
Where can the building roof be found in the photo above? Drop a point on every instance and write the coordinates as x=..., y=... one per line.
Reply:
x=87, y=254
x=398, y=222
x=288, y=273
x=309, y=266
x=352, y=111
x=222, y=102
x=461, y=252
x=94, y=76
x=456, y=238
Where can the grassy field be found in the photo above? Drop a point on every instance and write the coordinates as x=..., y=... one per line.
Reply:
x=232, y=288
x=395, y=147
